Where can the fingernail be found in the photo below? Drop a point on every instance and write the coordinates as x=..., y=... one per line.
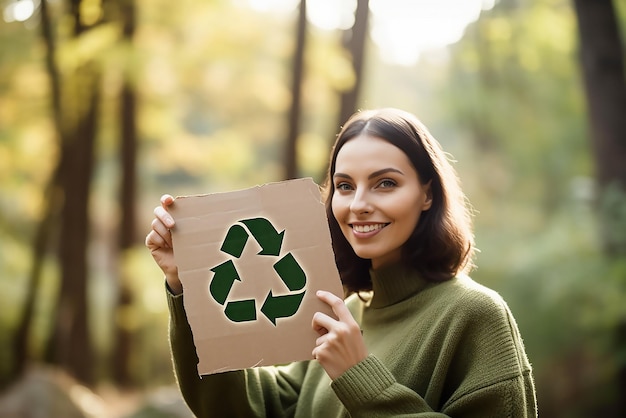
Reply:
x=169, y=222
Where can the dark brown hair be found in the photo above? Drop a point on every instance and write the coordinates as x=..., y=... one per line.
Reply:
x=442, y=244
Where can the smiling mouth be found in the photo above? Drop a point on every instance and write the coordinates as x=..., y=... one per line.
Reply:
x=368, y=228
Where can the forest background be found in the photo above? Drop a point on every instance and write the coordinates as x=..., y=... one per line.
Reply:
x=107, y=104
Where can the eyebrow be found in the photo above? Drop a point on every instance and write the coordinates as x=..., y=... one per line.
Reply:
x=373, y=175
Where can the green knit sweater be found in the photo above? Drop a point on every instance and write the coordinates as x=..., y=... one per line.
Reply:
x=436, y=350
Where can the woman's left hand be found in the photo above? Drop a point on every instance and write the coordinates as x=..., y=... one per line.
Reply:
x=340, y=345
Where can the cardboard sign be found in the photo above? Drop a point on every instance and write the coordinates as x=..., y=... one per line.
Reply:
x=250, y=262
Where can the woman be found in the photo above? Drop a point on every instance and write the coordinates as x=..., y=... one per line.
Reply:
x=416, y=336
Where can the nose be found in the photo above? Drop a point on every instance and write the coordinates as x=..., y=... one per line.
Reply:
x=361, y=202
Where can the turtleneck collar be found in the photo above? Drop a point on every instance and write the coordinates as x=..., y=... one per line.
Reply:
x=394, y=283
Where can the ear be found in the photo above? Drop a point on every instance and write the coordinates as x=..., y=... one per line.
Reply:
x=428, y=199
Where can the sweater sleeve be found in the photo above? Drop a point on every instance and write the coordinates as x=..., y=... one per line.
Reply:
x=369, y=390
x=258, y=392
x=382, y=396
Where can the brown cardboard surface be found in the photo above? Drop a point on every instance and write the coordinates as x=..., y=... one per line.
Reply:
x=238, y=324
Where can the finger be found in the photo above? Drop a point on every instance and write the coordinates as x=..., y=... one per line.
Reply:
x=166, y=200
x=164, y=216
x=322, y=323
x=160, y=228
x=163, y=231
x=148, y=241
x=154, y=241
x=160, y=236
x=321, y=340
x=337, y=305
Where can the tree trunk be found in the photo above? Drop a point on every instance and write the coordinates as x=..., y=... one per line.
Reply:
x=602, y=61
x=291, y=157
x=128, y=193
x=354, y=41
x=70, y=344
x=50, y=216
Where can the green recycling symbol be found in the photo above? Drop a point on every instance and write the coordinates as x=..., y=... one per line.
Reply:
x=287, y=267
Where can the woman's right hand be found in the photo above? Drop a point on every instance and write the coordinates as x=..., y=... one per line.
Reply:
x=159, y=242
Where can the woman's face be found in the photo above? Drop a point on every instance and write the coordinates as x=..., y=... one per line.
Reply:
x=377, y=199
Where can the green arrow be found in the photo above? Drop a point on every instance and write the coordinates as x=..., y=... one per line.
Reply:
x=241, y=310
x=268, y=238
x=235, y=241
x=290, y=272
x=281, y=306
x=222, y=282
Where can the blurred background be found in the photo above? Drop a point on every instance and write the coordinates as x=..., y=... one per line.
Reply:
x=107, y=104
